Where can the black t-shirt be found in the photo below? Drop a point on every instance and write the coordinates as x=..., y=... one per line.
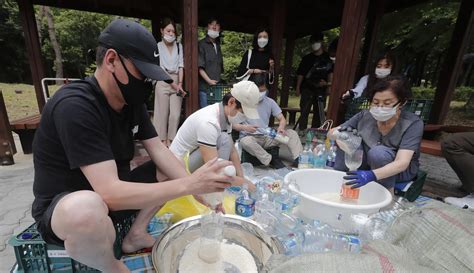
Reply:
x=258, y=59
x=314, y=68
x=79, y=128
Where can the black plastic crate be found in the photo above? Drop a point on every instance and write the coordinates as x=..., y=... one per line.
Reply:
x=33, y=255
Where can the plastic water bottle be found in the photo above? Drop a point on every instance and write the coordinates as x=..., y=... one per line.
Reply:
x=349, y=142
x=316, y=242
x=284, y=200
x=292, y=243
x=211, y=237
x=306, y=158
x=271, y=132
x=265, y=211
x=319, y=156
x=244, y=204
x=331, y=159
x=215, y=198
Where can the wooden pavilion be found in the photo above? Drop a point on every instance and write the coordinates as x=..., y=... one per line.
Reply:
x=359, y=21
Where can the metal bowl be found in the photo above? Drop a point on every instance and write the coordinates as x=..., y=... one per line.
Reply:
x=170, y=246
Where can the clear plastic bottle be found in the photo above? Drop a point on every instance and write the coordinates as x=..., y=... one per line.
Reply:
x=216, y=198
x=284, y=200
x=271, y=132
x=244, y=204
x=331, y=157
x=316, y=241
x=319, y=156
x=211, y=237
x=306, y=158
x=265, y=211
x=292, y=243
x=348, y=141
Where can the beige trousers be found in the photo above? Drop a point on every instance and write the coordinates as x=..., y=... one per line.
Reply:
x=167, y=109
x=256, y=145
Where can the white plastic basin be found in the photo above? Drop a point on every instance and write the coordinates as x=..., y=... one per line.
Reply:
x=312, y=182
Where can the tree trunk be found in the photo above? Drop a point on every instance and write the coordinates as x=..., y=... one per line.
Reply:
x=58, y=62
x=435, y=76
x=39, y=23
x=469, y=106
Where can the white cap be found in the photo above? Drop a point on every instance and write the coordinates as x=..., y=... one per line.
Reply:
x=247, y=93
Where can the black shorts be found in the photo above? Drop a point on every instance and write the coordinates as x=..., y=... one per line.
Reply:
x=145, y=173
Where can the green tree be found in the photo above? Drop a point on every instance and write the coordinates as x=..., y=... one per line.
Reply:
x=13, y=58
x=77, y=32
x=419, y=36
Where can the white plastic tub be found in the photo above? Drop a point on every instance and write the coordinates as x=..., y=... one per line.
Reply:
x=312, y=182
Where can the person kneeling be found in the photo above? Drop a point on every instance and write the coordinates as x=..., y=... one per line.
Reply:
x=205, y=134
x=252, y=131
x=390, y=137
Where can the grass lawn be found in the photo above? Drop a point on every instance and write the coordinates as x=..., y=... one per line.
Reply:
x=20, y=99
x=24, y=104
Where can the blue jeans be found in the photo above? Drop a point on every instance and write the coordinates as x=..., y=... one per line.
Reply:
x=375, y=158
x=202, y=98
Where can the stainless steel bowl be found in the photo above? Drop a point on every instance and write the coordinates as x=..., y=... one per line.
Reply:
x=169, y=247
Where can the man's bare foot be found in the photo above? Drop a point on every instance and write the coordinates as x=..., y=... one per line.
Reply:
x=135, y=241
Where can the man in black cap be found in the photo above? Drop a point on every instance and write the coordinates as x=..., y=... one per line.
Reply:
x=84, y=145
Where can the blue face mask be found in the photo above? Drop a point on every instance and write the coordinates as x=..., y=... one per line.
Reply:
x=262, y=95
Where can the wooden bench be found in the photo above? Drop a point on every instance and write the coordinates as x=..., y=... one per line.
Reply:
x=433, y=147
x=26, y=128
x=292, y=113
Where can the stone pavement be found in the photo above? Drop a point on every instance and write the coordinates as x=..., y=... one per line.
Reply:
x=16, y=195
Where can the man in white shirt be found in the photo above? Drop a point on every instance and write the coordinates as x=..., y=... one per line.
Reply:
x=206, y=133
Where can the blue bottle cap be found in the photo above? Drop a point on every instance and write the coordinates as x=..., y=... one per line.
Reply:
x=26, y=236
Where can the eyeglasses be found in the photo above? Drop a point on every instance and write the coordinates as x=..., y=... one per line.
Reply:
x=381, y=104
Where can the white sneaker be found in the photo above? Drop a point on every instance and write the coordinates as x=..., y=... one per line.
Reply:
x=466, y=201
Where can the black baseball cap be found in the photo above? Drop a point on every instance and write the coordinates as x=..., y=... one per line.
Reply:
x=135, y=42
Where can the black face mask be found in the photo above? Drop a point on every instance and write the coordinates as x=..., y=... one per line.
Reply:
x=136, y=91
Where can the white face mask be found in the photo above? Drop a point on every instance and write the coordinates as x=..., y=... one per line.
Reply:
x=212, y=33
x=262, y=42
x=333, y=59
x=383, y=113
x=238, y=118
x=262, y=96
x=316, y=46
x=381, y=73
x=169, y=38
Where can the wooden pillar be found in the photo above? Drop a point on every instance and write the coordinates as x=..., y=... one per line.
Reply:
x=277, y=26
x=190, y=42
x=286, y=80
x=155, y=28
x=347, y=56
x=374, y=19
x=7, y=144
x=452, y=62
x=33, y=48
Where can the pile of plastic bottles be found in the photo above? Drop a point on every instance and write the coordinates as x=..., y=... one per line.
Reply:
x=274, y=212
x=319, y=152
x=273, y=205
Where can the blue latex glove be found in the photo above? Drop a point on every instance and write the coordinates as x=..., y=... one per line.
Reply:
x=359, y=178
